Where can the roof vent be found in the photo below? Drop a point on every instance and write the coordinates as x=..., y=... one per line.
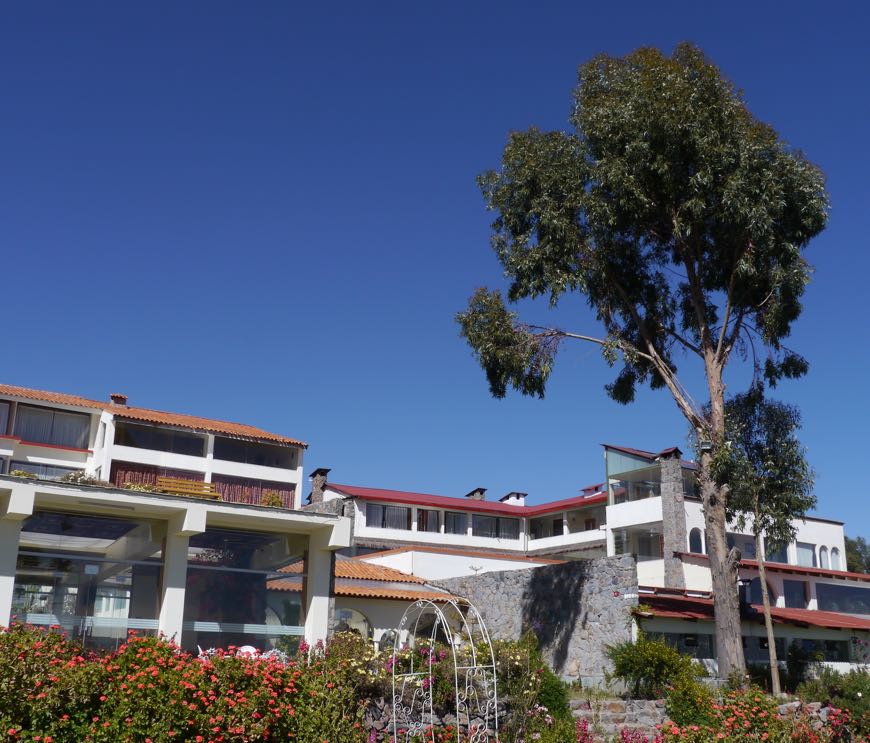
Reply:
x=477, y=494
x=118, y=399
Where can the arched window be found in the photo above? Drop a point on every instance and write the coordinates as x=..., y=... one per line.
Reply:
x=823, y=557
x=351, y=620
x=835, y=559
x=696, y=543
x=755, y=592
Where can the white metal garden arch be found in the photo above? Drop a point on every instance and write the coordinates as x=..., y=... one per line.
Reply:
x=457, y=625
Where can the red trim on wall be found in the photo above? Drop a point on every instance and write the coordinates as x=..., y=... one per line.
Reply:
x=52, y=446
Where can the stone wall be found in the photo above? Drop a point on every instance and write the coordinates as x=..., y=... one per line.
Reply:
x=575, y=609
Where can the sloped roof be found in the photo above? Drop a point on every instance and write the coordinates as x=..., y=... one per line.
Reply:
x=181, y=420
x=701, y=609
x=464, y=504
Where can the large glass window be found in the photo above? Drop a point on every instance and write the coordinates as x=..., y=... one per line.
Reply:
x=795, y=593
x=56, y=427
x=743, y=542
x=835, y=559
x=159, y=439
x=388, y=517
x=494, y=527
x=836, y=651
x=96, y=577
x=455, y=523
x=236, y=592
x=697, y=645
x=252, y=452
x=823, y=558
x=4, y=417
x=845, y=598
x=42, y=471
x=754, y=592
x=776, y=553
x=806, y=554
x=428, y=520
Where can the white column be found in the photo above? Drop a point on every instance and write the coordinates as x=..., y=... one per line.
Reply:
x=319, y=604
x=15, y=506
x=179, y=530
x=209, y=456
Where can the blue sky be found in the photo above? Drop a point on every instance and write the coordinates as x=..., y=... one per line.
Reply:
x=267, y=212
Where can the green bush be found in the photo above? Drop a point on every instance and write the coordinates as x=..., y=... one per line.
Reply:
x=848, y=691
x=553, y=694
x=689, y=702
x=648, y=667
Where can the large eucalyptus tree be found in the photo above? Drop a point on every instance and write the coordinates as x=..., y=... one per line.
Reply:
x=682, y=220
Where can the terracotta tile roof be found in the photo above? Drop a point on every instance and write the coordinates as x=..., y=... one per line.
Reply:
x=181, y=420
x=779, y=567
x=454, y=503
x=695, y=608
x=351, y=568
x=461, y=553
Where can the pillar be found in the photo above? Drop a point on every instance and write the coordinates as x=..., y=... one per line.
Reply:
x=319, y=587
x=673, y=518
x=16, y=505
x=179, y=530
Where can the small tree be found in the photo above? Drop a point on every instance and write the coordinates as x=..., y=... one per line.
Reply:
x=681, y=219
x=857, y=555
x=770, y=482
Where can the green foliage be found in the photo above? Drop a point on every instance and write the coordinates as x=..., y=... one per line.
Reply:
x=80, y=477
x=23, y=473
x=857, y=555
x=689, y=701
x=648, y=667
x=765, y=466
x=667, y=196
x=272, y=499
x=553, y=694
x=848, y=691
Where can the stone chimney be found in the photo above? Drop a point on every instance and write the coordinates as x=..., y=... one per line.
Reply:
x=477, y=494
x=117, y=398
x=514, y=499
x=318, y=483
x=673, y=516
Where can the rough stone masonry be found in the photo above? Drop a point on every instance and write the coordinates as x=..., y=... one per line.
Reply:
x=576, y=609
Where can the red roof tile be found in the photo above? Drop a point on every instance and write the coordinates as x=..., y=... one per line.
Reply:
x=350, y=568
x=689, y=607
x=181, y=420
x=780, y=567
x=463, y=504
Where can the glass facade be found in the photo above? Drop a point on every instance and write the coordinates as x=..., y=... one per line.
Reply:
x=455, y=522
x=159, y=439
x=96, y=577
x=495, y=527
x=56, y=427
x=236, y=593
x=697, y=645
x=4, y=417
x=42, y=471
x=252, y=452
x=428, y=520
x=842, y=597
x=388, y=517
x=795, y=594
x=806, y=554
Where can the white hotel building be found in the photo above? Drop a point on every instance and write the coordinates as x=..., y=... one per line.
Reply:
x=195, y=562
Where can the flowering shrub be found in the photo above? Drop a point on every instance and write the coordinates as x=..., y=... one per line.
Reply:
x=846, y=691
x=149, y=690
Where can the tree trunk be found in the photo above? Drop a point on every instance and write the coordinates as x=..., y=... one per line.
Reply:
x=723, y=571
x=768, y=622
x=723, y=562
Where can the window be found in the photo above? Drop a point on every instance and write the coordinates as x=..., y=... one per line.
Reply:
x=388, y=517
x=558, y=527
x=795, y=593
x=696, y=543
x=57, y=427
x=696, y=645
x=428, y=520
x=839, y=597
x=42, y=471
x=746, y=544
x=835, y=559
x=754, y=593
x=823, y=557
x=252, y=452
x=827, y=650
x=351, y=620
x=4, y=417
x=493, y=527
x=455, y=523
x=248, y=490
x=589, y=525
x=780, y=554
x=806, y=554
x=159, y=439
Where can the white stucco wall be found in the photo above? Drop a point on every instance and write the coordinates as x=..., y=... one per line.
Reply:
x=435, y=566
